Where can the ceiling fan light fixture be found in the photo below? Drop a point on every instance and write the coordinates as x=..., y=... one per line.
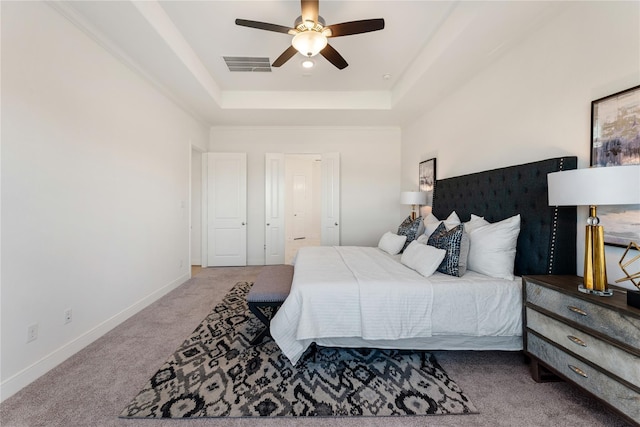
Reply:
x=308, y=63
x=310, y=34
x=309, y=43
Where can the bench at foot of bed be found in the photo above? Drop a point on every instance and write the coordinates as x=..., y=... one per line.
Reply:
x=267, y=294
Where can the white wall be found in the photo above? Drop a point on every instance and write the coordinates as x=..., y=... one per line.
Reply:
x=95, y=188
x=369, y=167
x=535, y=101
x=196, y=207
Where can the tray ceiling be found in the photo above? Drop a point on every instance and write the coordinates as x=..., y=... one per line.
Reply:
x=426, y=50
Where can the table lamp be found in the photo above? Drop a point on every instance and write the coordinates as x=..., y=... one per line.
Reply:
x=614, y=185
x=413, y=198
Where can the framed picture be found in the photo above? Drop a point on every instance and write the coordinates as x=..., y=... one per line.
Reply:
x=615, y=141
x=615, y=129
x=427, y=176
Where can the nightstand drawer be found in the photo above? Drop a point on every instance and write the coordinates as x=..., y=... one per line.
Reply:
x=613, y=359
x=623, y=398
x=617, y=326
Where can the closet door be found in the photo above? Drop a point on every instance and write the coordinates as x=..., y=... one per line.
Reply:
x=227, y=209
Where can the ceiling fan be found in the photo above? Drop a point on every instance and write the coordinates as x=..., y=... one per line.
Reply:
x=310, y=34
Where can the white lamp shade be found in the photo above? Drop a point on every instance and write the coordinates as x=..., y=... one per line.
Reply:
x=413, y=198
x=614, y=185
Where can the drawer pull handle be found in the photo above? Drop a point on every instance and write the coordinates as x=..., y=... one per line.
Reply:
x=578, y=371
x=576, y=340
x=577, y=310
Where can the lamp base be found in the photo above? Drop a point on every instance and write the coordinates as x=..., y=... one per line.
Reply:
x=605, y=293
x=633, y=298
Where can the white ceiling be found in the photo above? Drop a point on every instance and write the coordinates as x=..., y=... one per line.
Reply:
x=429, y=48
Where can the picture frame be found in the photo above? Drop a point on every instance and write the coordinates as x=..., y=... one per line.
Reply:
x=615, y=141
x=427, y=177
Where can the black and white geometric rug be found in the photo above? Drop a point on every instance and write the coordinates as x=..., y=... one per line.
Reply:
x=216, y=373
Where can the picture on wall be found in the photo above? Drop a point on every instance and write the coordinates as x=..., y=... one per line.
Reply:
x=615, y=129
x=615, y=141
x=427, y=174
x=427, y=177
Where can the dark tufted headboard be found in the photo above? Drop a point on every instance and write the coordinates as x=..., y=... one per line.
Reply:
x=547, y=240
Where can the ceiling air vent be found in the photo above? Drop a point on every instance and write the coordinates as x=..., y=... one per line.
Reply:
x=247, y=64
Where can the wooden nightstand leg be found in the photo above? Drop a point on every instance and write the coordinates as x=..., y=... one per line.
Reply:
x=541, y=374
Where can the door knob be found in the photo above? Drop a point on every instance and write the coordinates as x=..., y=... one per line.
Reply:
x=336, y=224
x=243, y=223
x=268, y=224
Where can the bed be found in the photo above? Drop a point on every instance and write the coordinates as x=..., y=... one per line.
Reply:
x=364, y=297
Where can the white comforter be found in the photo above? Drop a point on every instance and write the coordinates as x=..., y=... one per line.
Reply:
x=341, y=292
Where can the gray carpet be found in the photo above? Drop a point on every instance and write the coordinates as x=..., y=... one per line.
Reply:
x=216, y=372
x=92, y=387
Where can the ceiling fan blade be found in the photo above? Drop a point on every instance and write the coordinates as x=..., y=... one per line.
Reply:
x=356, y=27
x=284, y=57
x=334, y=57
x=310, y=10
x=264, y=26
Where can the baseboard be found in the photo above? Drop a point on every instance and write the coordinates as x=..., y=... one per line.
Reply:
x=16, y=382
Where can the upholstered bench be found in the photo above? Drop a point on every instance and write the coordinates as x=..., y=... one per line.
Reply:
x=267, y=294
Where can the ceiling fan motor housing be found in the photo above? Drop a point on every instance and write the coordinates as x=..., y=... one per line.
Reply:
x=299, y=24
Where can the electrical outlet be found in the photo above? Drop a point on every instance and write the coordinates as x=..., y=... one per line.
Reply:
x=68, y=315
x=32, y=332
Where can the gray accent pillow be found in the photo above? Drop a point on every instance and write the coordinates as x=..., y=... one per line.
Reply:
x=456, y=243
x=411, y=228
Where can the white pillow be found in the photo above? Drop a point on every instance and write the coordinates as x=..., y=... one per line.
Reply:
x=391, y=243
x=424, y=259
x=431, y=223
x=475, y=222
x=492, y=249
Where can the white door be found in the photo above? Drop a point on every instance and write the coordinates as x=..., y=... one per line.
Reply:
x=274, y=209
x=227, y=209
x=330, y=220
x=299, y=206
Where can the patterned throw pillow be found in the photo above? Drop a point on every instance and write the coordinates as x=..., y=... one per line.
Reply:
x=456, y=243
x=411, y=228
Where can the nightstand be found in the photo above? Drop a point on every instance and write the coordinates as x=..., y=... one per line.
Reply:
x=590, y=341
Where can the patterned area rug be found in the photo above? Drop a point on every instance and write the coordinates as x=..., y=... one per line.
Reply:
x=216, y=373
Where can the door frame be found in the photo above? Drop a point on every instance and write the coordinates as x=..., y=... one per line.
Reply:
x=193, y=148
x=204, y=186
